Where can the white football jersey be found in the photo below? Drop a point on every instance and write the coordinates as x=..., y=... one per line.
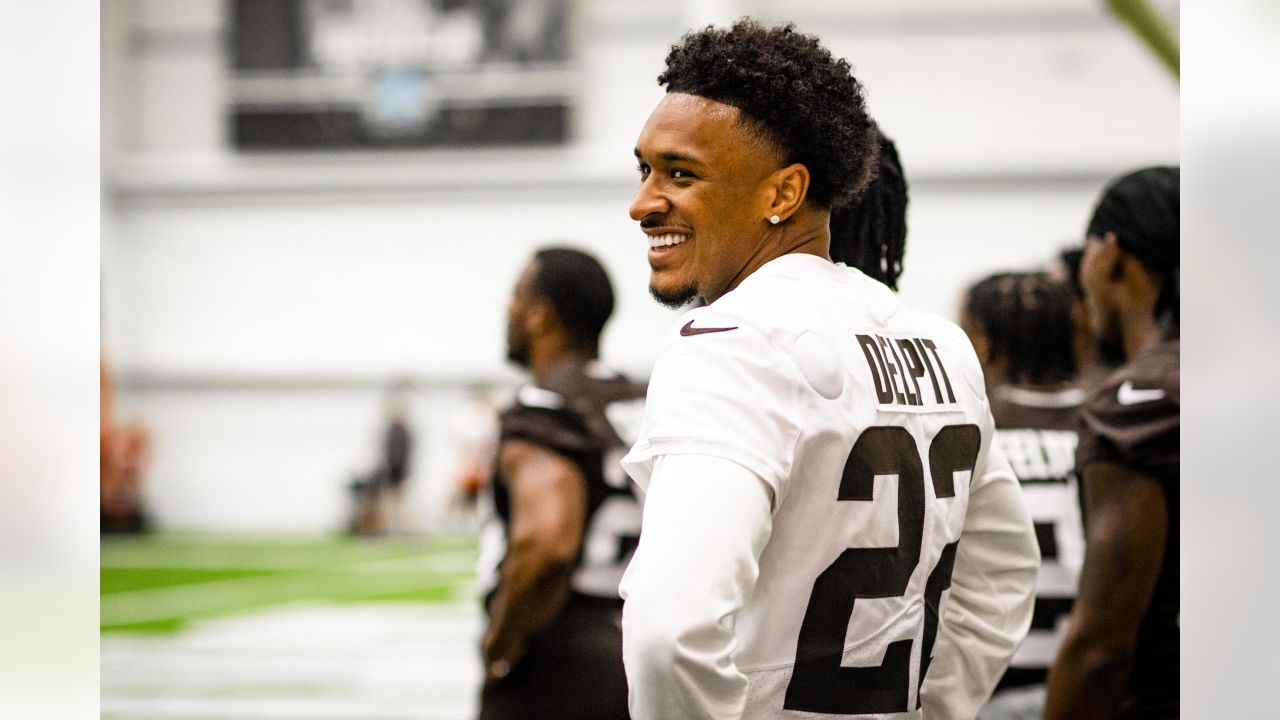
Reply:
x=1037, y=433
x=869, y=422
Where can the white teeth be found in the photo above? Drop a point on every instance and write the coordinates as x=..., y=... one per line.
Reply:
x=657, y=241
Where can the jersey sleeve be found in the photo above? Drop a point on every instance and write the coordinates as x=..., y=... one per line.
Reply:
x=1133, y=420
x=691, y=574
x=728, y=393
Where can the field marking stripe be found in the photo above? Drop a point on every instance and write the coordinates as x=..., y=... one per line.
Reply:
x=184, y=602
x=181, y=601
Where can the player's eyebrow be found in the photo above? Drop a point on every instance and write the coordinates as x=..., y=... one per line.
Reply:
x=672, y=156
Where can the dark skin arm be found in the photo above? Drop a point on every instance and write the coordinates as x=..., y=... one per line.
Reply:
x=548, y=511
x=1127, y=527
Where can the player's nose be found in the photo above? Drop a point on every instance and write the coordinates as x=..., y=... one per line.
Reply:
x=648, y=202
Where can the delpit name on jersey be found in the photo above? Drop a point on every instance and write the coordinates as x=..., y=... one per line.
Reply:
x=899, y=364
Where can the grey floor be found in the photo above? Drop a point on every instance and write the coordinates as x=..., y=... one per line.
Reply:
x=346, y=662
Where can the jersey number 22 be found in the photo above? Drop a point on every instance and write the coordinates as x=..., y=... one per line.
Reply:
x=819, y=683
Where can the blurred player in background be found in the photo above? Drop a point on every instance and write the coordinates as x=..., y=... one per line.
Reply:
x=566, y=519
x=1021, y=328
x=378, y=495
x=812, y=450
x=1120, y=655
x=477, y=426
x=397, y=450
x=1094, y=362
x=125, y=452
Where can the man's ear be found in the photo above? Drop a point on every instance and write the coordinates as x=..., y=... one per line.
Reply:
x=539, y=318
x=1112, y=256
x=789, y=187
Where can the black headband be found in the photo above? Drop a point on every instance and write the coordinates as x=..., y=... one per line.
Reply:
x=1141, y=208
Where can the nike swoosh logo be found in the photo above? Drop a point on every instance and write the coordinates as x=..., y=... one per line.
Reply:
x=1129, y=395
x=689, y=329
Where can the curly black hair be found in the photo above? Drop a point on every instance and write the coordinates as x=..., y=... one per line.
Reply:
x=870, y=233
x=791, y=88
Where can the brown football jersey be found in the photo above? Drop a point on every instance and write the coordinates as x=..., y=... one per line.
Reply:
x=573, y=667
x=1133, y=420
x=589, y=414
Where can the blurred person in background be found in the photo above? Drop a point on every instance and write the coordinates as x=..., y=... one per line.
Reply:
x=1094, y=362
x=870, y=232
x=1021, y=328
x=378, y=496
x=1119, y=658
x=778, y=572
x=125, y=451
x=566, y=520
x=477, y=426
x=397, y=450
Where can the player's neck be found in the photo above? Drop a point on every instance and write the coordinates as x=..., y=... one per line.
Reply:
x=546, y=357
x=1140, y=331
x=1137, y=300
x=808, y=232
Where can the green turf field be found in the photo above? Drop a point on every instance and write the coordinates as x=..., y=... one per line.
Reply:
x=160, y=582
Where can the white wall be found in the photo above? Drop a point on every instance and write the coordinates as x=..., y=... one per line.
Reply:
x=253, y=305
x=282, y=459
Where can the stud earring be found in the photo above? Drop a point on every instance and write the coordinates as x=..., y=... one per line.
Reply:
x=775, y=220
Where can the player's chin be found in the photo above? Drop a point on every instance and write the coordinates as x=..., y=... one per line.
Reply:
x=672, y=295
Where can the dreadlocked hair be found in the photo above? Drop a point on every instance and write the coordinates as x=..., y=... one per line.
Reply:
x=870, y=233
x=1027, y=320
x=792, y=91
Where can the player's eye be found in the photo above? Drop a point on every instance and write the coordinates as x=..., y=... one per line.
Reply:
x=643, y=169
x=679, y=174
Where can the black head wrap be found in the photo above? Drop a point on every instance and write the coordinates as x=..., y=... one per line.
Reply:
x=1141, y=208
